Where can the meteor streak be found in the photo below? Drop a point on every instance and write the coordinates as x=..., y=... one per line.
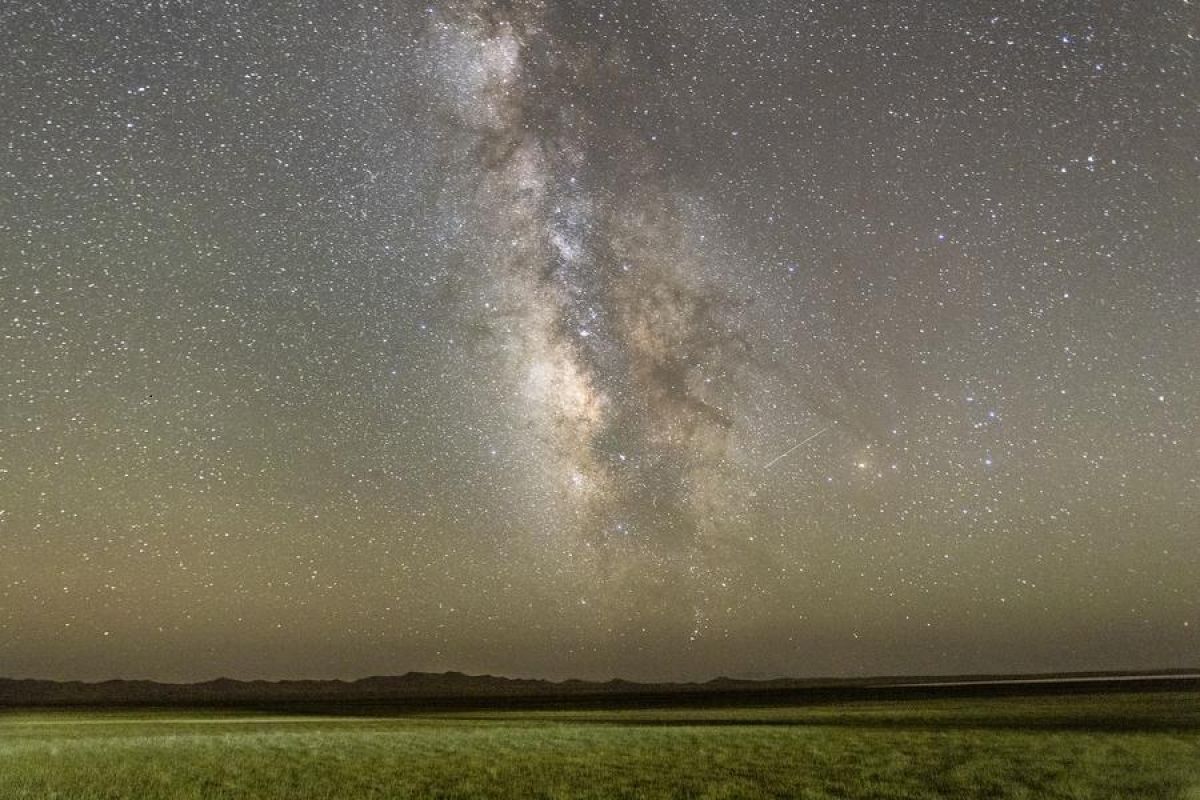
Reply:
x=793, y=449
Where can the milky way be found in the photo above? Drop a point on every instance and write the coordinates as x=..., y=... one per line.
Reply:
x=586, y=339
x=616, y=319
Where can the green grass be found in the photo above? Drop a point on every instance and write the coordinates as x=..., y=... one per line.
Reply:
x=1116, y=746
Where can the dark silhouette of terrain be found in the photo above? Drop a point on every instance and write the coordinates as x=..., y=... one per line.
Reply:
x=454, y=690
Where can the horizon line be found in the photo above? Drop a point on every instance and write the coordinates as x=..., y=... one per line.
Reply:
x=917, y=679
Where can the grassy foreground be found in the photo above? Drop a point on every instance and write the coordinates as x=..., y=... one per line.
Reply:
x=1097, y=746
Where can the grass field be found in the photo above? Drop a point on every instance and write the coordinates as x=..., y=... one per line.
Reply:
x=1095, y=746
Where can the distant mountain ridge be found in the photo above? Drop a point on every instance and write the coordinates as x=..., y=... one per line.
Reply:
x=456, y=688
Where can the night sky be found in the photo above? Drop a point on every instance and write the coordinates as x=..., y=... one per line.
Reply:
x=660, y=340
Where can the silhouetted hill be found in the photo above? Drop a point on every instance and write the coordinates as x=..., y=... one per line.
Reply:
x=454, y=689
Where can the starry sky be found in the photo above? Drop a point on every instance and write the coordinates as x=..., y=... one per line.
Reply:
x=632, y=338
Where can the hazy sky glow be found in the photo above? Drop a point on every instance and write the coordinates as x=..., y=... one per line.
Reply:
x=652, y=339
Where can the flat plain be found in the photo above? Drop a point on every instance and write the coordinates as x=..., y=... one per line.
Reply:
x=1135, y=745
